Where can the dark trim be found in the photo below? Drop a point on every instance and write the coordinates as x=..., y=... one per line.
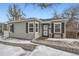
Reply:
x=39, y=27
x=52, y=27
x=12, y=28
x=62, y=27
x=52, y=30
x=26, y=27
x=47, y=30
x=52, y=35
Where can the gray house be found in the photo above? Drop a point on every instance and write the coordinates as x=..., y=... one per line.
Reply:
x=32, y=28
x=3, y=27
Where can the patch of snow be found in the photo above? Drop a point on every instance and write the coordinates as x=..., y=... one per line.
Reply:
x=14, y=40
x=64, y=39
x=6, y=50
x=47, y=51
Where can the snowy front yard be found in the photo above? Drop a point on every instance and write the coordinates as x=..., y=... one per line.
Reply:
x=42, y=50
x=25, y=44
x=6, y=50
x=17, y=47
x=70, y=45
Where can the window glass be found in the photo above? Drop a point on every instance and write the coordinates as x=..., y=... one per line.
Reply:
x=57, y=27
x=30, y=27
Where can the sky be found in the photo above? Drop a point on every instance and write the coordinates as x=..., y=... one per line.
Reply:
x=32, y=11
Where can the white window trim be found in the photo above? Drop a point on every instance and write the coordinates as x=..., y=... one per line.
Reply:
x=60, y=27
x=30, y=27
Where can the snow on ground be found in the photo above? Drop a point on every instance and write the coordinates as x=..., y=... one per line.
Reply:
x=6, y=50
x=14, y=40
x=68, y=40
x=42, y=50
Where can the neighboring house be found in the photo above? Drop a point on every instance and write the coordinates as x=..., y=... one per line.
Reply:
x=3, y=27
x=32, y=28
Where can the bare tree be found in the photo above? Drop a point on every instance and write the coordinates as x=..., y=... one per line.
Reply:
x=43, y=5
x=46, y=5
x=72, y=12
x=55, y=15
x=14, y=13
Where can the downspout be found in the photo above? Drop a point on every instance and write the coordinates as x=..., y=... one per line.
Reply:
x=50, y=28
x=34, y=29
x=2, y=27
x=65, y=30
x=77, y=31
x=8, y=26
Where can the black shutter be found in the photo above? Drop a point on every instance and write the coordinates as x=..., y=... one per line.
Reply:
x=39, y=27
x=26, y=27
x=62, y=27
x=12, y=27
x=52, y=28
x=36, y=27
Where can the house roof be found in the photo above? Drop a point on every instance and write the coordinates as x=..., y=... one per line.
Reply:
x=39, y=20
x=24, y=20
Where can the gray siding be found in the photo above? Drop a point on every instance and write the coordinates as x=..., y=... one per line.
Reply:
x=20, y=31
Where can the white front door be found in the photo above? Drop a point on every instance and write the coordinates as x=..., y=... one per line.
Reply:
x=45, y=30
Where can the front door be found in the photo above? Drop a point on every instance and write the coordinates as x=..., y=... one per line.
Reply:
x=45, y=30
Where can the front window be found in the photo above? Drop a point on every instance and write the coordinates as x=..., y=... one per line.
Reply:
x=30, y=27
x=57, y=28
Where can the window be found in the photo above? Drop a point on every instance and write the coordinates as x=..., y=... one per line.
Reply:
x=30, y=27
x=57, y=27
x=12, y=28
x=36, y=27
